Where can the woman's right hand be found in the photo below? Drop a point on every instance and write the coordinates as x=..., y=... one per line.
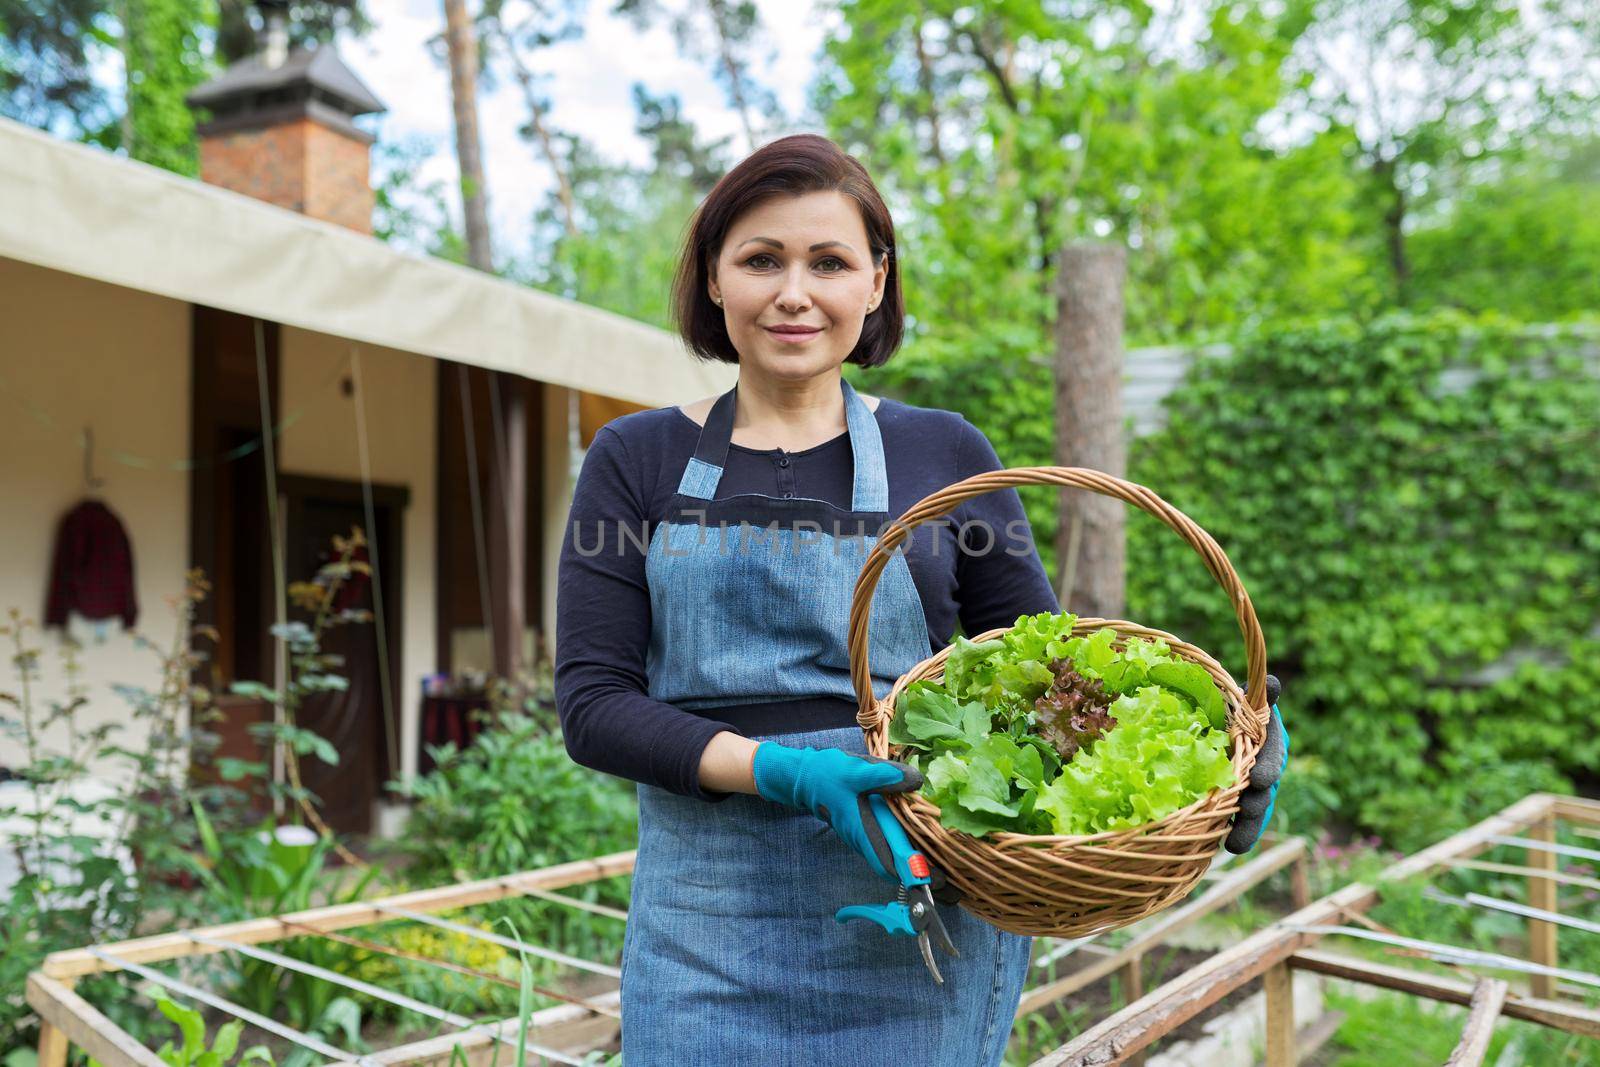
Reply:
x=831, y=784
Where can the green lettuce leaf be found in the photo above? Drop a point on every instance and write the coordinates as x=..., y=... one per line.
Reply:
x=927, y=717
x=971, y=734
x=1194, y=682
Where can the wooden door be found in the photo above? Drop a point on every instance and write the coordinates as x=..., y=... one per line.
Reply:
x=360, y=722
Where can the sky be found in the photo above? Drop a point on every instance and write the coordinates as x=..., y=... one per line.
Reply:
x=590, y=87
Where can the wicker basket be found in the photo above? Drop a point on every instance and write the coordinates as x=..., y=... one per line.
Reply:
x=1070, y=886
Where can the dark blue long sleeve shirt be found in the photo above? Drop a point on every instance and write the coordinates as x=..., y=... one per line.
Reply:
x=629, y=476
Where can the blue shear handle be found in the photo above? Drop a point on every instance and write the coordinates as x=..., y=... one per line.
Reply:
x=888, y=838
x=895, y=917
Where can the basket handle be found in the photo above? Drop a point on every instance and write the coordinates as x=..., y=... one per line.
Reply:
x=943, y=501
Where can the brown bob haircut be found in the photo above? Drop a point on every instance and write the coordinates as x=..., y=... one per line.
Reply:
x=790, y=166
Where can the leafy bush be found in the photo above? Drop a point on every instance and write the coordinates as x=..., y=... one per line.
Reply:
x=511, y=801
x=145, y=870
x=441, y=987
x=1414, y=507
x=104, y=842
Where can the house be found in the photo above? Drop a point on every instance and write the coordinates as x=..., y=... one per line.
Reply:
x=152, y=325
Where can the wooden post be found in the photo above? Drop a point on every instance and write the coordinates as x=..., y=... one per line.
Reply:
x=1088, y=370
x=68, y=1019
x=1487, y=1000
x=1542, y=894
x=53, y=1043
x=1563, y=1015
x=1279, y=985
x=1132, y=979
x=1300, y=883
x=508, y=526
x=52, y=1046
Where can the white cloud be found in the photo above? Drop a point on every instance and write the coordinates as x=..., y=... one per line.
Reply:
x=589, y=85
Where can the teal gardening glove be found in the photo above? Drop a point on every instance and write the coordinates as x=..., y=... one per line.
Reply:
x=1257, y=798
x=832, y=785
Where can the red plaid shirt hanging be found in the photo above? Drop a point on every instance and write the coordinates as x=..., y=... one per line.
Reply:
x=92, y=572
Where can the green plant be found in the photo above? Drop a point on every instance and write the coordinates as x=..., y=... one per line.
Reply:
x=195, y=1050
x=271, y=870
x=513, y=800
x=310, y=671
x=1394, y=1028
x=439, y=986
x=79, y=885
x=1414, y=506
x=1035, y=731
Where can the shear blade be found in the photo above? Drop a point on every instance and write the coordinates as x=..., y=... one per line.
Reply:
x=935, y=925
x=927, y=957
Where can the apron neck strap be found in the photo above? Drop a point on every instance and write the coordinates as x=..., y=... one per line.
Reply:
x=869, y=490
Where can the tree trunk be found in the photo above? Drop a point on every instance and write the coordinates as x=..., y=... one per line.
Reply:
x=925, y=82
x=1090, y=543
x=540, y=130
x=731, y=67
x=463, y=51
x=1394, y=221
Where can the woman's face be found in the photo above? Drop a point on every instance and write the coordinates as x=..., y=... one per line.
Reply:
x=797, y=261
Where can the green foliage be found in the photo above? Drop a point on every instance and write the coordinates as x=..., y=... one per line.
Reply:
x=407, y=211
x=1008, y=132
x=164, y=61
x=441, y=987
x=52, y=58
x=173, y=852
x=1395, y=1028
x=630, y=226
x=311, y=671
x=47, y=59
x=1427, y=104
x=513, y=800
x=98, y=854
x=1409, y=504
x=1529, y=247
x=195, y=1050
x=268, y=870
x=976, y=736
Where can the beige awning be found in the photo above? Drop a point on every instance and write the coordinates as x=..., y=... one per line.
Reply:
x=82, y=210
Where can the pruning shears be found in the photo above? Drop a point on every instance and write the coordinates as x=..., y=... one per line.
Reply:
x=912, y=913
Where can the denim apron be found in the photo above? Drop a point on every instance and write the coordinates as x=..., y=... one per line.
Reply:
x=732, y=956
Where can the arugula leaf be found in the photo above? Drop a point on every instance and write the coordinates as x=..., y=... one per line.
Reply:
x=987, y=790
x=927, y=717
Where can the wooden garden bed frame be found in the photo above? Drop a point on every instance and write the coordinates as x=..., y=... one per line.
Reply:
x=563, y=1032
x=69, y=1019
x=1291, y=943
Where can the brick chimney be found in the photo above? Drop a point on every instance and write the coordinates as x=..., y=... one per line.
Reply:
x=280, y=130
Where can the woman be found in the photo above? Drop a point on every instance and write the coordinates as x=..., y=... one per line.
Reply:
x=704, y=593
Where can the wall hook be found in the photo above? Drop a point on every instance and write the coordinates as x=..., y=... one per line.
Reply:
x=89, y=478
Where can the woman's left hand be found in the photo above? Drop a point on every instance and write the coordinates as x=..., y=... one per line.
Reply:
x=1257, y=798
